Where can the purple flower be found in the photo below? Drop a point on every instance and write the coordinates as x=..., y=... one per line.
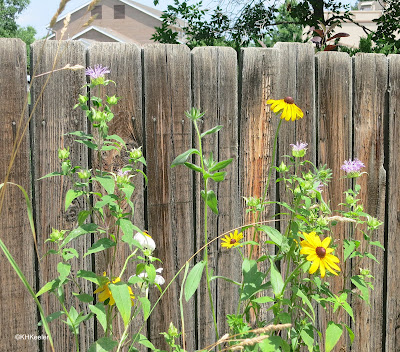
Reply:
x=299, y=149
x=299, y=146
x=123, y=173
x=319, y=186
x=97, y=71
x=352, y=166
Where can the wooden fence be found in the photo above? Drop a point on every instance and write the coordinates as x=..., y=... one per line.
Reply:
x=350, y=110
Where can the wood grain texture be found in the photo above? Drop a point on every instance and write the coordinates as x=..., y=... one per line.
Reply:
x=393, y=230
x=167, y=83
x=53, y=119
x=125, y=64
x=334, y=104
x=17, y=308
x=259, y=76
x=214, y=86
x=370, y=89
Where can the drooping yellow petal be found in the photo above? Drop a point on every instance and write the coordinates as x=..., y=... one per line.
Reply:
x=331, y=263
x=314, y=266
x=325, y=243
x=322, y=268
x=332, y=258
x=330, y=269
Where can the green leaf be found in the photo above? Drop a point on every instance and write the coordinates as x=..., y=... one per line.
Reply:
x=100, y=312
x=139, y=338
x=146, y=306
x=107, y=183
x=51, y=174
x=305, y=300
x=218, y=176
x=272, y=233
x=212, y=130
x=332, y=335
x=307, y=334
x=105, y=344
x=151, y=272
x=81, y=134
x=100, y=245
x=377, y=243
x=211, y=200
x=193, y=167
x=252, y=279
x=48, y=286
x=69, y=253
x=351, y=333
x=79, y=231
x=83, y=297
x=82, y=216
x=276, y=280
x=221, y=165
x=264, y=299
x=371, y=256
x=90, y=276
x=64, y=270
x=181, y=159
x=349, y=247
x=121, y=295
x=89, y=144
x=226, y=279
x=70, y=196
x=52, y=317
x=271, y=344
x=193, y=280
x=116, y=138
x=359, y=282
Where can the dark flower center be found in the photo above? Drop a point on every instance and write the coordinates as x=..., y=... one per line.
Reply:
x=233, y=241
x=321, y=251
x=289, y=100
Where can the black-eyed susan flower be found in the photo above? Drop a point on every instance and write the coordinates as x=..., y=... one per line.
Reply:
x=232, y=240
x=105, y=292
x=319, y=254
x=290, y=111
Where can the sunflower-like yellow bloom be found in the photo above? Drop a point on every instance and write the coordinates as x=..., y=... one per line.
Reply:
x=319, y=254
x=290, y=111
x=232, y=240
x=105, y=293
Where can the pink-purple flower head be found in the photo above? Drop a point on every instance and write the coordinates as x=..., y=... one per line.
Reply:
x=299, y=149
x=352, y=167
x=97, y=71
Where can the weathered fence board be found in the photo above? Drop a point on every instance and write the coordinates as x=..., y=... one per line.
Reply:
x=214, y=89
x=53, y=118
x=392, y=298
x=19, y=310
x=167, y=82
x=259, y=77
x=125, y=64
x=334, y=106
x=158, y=83
x=370, y=89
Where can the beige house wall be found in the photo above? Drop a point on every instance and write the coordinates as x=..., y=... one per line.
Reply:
x=136, y=25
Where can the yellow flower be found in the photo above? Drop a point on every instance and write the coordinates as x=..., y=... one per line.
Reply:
x=290, y=111
x=232, y=240
x=318, y=252
x=105, y=293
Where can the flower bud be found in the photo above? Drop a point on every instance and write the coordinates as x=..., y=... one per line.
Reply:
x=98, y=116
x=282, y=167
x=373, y=223
x=365, y=272
x=349, y=200
x=321, y=221
x=82, y=99
x=63, y=153
x=56, y=235
x=136, y=153
x=112, y=100
x=252, y=202
x=84, y=174
x=359, y=208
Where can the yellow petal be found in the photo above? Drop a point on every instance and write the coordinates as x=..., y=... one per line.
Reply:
x=330, y=269
x=322, y=268
x=314, y=266
x=332, y=258
x=326, y=242
x=312, y=257
x=307, y=250
x=331, y=263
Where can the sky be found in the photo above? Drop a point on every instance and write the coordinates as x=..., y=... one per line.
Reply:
x=39, y=13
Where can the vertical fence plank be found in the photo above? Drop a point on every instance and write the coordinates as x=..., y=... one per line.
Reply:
x=393, y=230
x=18, y=308
x=125, y=63
x=370, y=87
x=53, y=119
x=334, y=72
x=167, y=82
x=215, y=93
x=259, y=77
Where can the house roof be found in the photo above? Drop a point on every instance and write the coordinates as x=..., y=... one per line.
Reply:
x=145, y=9
x=107, y=32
